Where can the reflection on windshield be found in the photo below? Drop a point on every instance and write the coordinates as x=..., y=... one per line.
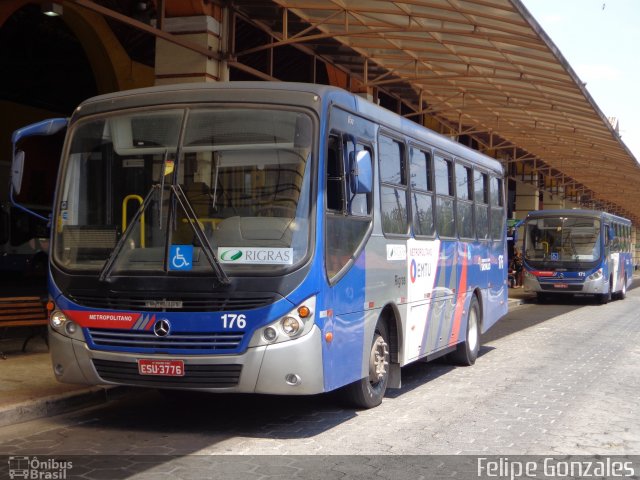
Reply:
x=562, y=239
x=244, y=175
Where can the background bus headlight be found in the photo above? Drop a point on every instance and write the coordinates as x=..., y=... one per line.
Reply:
x=597, y=275
x=295, y=324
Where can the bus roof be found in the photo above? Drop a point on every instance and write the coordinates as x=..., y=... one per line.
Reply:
x=281, y=93
x=576, y=212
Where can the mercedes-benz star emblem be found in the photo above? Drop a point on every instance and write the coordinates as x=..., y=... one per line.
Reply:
x=161, y=328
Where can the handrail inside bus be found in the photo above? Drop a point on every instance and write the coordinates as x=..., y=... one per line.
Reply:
x=124, y=215
x=546, y=247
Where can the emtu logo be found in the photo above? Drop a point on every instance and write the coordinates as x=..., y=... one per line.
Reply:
x=231, y=255
x=413, y=270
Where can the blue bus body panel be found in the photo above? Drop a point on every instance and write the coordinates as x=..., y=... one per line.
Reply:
x=342, y=357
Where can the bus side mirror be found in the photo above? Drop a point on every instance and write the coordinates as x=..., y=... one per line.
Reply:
x=360, y=172
x=17, y=167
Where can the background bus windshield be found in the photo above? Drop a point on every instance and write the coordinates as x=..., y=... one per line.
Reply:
x=562, y=239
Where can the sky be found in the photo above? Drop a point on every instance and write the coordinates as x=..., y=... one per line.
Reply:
x=600, y=39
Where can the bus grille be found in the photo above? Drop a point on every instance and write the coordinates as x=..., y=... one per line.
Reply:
x=205, y=303
x=195, y=376
x=145, y=341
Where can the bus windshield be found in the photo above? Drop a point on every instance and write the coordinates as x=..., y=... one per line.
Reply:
x=233, y=182
x=562, y=239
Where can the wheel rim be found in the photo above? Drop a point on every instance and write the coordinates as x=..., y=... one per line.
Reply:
x=378, y=360
x=472, y=339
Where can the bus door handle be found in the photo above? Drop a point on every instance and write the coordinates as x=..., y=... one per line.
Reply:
x=124, y=215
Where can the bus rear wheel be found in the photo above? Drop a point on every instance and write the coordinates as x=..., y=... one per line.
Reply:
x=467, y=352
x=369, y=391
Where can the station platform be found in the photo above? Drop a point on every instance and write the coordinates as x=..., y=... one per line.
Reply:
x=29, y=390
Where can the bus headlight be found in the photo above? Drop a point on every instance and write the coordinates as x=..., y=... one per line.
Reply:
x=64, y=325
x=295, y=324
x=71, y=328
x=269, y=334
x=291, y=326
x=57, y=319
x=597, y=275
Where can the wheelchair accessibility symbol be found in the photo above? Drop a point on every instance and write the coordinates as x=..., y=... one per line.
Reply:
x=181, y=257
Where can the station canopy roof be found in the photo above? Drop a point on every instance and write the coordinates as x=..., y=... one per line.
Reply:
x=483, y=67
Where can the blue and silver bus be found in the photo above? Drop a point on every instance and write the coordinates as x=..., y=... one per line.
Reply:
x=577, y=252
x=273, y=238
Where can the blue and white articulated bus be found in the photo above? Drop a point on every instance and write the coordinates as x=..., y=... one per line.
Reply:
x=273, y=238
x=577, y=252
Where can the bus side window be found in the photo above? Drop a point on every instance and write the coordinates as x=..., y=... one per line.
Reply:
x=496, y=196
x=335, y=175
x=345, y=228
x=420, y=170
x=481, y=198
x=445, y=217
x=464, y=203
x=393, y=186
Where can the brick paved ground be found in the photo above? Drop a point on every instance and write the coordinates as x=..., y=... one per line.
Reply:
x=551, y=380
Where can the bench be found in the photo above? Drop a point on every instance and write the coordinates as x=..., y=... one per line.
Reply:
x=23, y=312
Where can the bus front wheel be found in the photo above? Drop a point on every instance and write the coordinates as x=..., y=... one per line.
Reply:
x=369, y=391
x=467, y=351
x=622, y=294
x=605, y=298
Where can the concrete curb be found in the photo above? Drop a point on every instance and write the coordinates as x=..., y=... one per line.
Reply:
x=58, y=404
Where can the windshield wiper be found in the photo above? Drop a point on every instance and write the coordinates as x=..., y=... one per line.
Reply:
x=193, y=221
x=108, y=266
x=200, y=235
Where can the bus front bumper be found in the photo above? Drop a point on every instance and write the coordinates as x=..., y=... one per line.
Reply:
x=288, y=368
x=587, y=287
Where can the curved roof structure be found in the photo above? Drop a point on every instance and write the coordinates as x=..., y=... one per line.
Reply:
x=484, y=68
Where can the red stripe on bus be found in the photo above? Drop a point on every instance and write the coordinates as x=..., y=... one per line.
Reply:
x=150, y=323
x=462, y=289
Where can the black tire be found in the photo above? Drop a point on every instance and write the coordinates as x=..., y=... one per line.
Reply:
x=605, y=298
x=369, y=391
x=467, y=352
x=622, y=294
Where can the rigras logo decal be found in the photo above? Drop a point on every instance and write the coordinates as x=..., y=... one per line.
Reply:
x=256, y=255
x=231, y=255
